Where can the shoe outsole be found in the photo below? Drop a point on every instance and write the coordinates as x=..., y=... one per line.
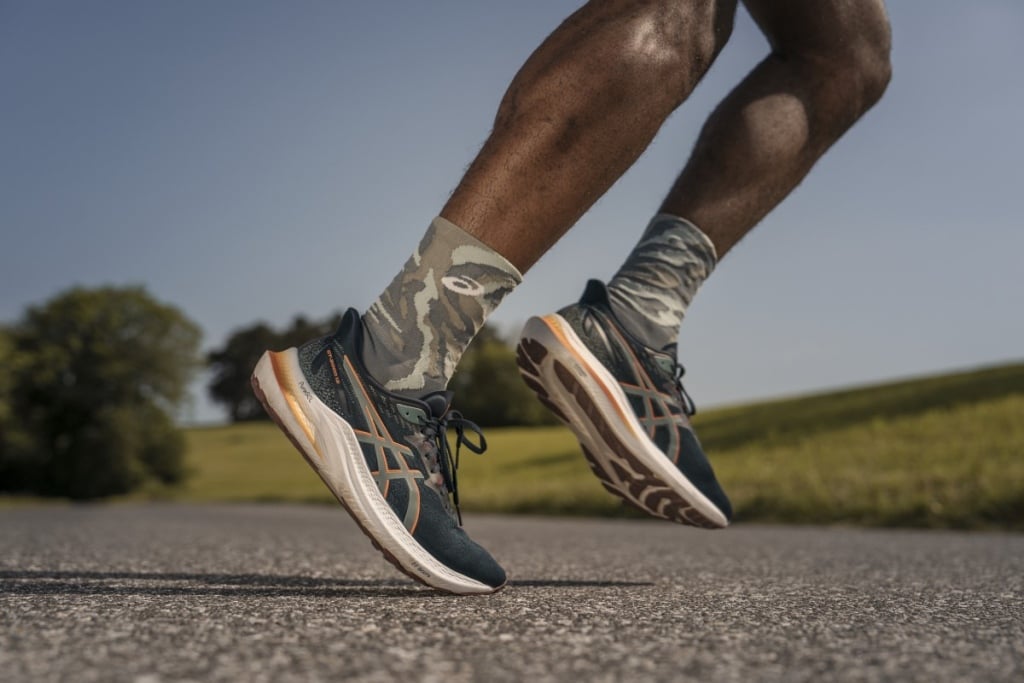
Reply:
x=305, y=420
x=580, y=391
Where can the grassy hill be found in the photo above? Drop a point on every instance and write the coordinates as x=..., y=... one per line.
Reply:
x=944, y=451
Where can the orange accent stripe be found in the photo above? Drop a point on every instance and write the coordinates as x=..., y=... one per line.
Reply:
x=379, y=426
x=554, y=327
x=285, y=381
x=369, y=404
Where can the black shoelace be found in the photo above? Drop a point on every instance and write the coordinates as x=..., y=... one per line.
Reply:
x=436, y=429
x=689, y=407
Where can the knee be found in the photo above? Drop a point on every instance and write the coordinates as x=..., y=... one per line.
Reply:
x=671, y=44
x=859, y=68
x=867, y=69
x=877, y=70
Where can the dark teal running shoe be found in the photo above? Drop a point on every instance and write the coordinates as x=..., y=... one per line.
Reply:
x=384, y=457
x=626, y=405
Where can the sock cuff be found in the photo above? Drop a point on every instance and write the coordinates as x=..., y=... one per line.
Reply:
x=696, y=235
x=466, y=248
x=654, y=286
x=418, y=328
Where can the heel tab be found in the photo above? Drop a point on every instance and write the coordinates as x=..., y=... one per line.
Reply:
x=595, y=293
x=350, y=330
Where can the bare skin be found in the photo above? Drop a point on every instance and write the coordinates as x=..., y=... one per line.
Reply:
x=829, y=64
x=591, y=98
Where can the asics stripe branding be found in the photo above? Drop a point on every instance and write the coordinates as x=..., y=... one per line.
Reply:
x=381, y=445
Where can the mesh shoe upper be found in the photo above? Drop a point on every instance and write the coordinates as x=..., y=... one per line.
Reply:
x=650, y=380
x=399, y=438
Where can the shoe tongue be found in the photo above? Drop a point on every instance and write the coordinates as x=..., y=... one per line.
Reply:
x=438, y=402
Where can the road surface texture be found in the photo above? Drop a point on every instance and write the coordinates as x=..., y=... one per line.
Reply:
x=163, y=592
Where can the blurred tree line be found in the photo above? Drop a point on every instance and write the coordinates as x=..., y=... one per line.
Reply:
x=487, y=386
x=232, y=364
x=89, y=382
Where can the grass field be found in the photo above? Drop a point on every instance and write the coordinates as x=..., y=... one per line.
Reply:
x=944, y=451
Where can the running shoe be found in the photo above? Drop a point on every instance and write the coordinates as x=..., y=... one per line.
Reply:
x=626, y=405
x=385, y=457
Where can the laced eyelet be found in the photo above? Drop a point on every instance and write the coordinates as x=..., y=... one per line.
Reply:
x=689, y=407
x=436, y=430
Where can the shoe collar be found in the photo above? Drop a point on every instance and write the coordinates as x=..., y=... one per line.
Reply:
x=416, y=410
x=595, y=295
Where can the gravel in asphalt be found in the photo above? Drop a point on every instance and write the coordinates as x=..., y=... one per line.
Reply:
x=162, y=592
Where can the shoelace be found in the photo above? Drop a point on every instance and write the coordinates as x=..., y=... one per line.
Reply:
x=436, y=429
x=689, y=407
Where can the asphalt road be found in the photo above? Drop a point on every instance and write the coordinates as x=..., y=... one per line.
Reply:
x=153, y=593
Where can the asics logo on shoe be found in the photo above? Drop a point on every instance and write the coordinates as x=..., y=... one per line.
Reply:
x=389, y=455
x=461, y=284
x=653, y=408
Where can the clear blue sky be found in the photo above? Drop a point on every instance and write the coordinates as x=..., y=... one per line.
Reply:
x=253, y=160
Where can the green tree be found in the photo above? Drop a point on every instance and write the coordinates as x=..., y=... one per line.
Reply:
x=487, y=385
x=233, y=363
x=13, y=439
x=7, y=362
x=95, y=378
x=488, y=388
x=302, y=330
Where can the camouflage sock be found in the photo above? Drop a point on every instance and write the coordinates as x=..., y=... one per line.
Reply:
x=416, y=331
x=652, y=289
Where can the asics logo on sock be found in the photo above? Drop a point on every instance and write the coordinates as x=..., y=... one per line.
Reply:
x=460, y=284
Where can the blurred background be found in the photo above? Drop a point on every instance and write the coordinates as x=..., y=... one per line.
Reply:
x=255, y=161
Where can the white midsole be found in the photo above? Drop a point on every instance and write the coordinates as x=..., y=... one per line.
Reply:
x=331, y=447
x=611, y=401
